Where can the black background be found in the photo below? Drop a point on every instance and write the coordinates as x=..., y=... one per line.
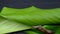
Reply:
x=46, y=4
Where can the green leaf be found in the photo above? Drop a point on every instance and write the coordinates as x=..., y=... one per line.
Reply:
x=31, y=32
x=7, y=26
x=20, y=19
x=34, y=31
x=32, y=16
x=50, y=27
x=57, y=31
x=54, y=28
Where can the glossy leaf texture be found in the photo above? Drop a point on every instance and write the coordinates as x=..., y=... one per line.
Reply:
x=7, y=26
x=32, y=16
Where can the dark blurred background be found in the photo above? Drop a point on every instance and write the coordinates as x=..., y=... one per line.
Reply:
x=1, y=8
x=1, y=5
x=46, y=4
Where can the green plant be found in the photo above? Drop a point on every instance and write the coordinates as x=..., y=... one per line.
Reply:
x=21, y=19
